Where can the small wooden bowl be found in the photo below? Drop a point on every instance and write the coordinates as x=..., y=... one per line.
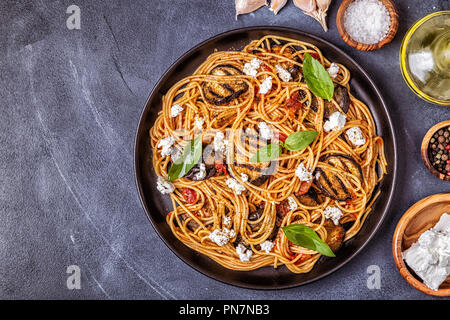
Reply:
x=389, y=4
x=422, y=216
x=424, y=150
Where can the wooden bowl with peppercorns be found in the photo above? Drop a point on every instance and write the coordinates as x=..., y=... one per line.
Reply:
x=435, y=150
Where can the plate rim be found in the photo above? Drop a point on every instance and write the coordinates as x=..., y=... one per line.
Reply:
x=159, y=83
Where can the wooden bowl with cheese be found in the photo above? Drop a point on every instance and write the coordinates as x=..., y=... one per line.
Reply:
x=419, y=218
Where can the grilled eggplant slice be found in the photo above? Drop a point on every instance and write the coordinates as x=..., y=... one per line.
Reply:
x=192, y=225
x=222, y=93
x=346, y=163
x=335, y=235
x=192, y=174
x=311, y=198
x=342, y=98
x=330, y=183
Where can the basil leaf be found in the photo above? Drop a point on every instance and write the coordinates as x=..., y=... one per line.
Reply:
x=317, y=78
x=267, y=153
x=190, y=157
x=299, y=140
x=306, y=237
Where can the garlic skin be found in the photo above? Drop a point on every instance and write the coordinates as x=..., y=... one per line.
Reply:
x=316, y=9
x=247, y=6
x=277, y=5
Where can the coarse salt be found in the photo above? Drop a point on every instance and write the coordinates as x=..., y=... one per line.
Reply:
x=367, y=21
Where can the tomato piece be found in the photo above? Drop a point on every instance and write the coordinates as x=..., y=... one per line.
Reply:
x=221, y=169
x=315, y=55
x=265, y=67
x=303, y=258
x=292, y=104
x=190, y=196
x=304, y=187
x=281, y=136
x=282, y=209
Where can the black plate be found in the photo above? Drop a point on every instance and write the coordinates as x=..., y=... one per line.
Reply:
x=156, y=206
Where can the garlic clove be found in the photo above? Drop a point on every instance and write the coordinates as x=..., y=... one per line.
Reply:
x=306, y=5
x=277, y=5
x=247, y=6
x=323, y=4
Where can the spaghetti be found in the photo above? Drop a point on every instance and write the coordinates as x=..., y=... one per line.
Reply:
x=232, y=209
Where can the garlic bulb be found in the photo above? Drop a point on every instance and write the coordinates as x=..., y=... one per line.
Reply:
x=316, y=9
x=247, y=6
x=277, y=5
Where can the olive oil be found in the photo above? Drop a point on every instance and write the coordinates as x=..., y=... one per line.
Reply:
x=426, y=58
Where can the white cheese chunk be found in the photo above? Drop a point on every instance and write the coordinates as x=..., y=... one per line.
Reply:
x=227, y=221
x=283, y=74
x=244, y=177
x=166, y=146
x=291, y=203
x=198, y=122
x=202, y=173
x=164, y=186
x=333, y=213
x=175, y=110
x=219, y=142
x=264, y=130
x=429, y=257
x=235, y=186
x=336, y=122
x=267, y=246
x=333, y=70
x=302, y=173
x=355, y=135
x=266, y=85
x=251, y=68
x=222, y=236
x=243, y=253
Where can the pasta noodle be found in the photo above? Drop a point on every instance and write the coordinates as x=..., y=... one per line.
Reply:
x=240, y=227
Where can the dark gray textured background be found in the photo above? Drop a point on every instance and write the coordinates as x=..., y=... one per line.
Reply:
x=71, y=101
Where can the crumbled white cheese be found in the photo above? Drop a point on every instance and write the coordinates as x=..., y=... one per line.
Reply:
x=251, y=68
x=235, y=186
x=336, y=122
x=222, y=236
x=227, y=221
x=266, y=85
x=166, y=146
x=164, y=186
x=264, y=130
x=333, y=70
x=267, y=246
x=175, y=110
x=283, y=74
x=333, y=213
x=355, y=135
x=244, y=177
x=219, y=143
x=243, y=253
x=202, y=173
x=291, y=203
x=302, y=173
x=429, y=257
x=198, y=122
